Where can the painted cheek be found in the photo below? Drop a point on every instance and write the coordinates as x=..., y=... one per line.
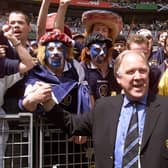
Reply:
x=105, y=50
x=55, y=63
x=47, y=54
x=94, y=53
x=97, y=51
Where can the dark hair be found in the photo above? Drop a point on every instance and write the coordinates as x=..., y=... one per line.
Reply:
x=120, y=39
x=165, y=41
x=160, y=32
x=27, y=17
x=97, y=37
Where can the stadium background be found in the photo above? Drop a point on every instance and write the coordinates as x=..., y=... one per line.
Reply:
x=152, y=10
x=49, y=146
x=133, y=12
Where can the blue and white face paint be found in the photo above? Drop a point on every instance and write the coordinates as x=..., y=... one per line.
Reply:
x=98, y=52
x=55, y=53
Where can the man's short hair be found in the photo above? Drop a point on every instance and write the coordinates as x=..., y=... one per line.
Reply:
x=27, y=17
x=138, y=39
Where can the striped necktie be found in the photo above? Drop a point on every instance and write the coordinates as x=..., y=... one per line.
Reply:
x=130, y=157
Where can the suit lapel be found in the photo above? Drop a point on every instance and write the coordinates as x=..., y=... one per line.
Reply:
x=115, y=113
x=152, y=116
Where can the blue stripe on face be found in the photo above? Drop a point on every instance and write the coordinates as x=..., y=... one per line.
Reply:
x=98, y=49
x=55, y=52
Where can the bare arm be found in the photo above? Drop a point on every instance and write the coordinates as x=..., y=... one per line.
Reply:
x=27, y=62
x=61, y=12
x=42, y=18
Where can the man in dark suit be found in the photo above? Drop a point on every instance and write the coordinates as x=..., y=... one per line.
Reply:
x=109, y=121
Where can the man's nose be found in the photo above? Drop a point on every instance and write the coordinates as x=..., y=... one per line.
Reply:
x=119, y=46
x=102, y=53
x=137, y=74
x=55, y=51
x=16, y=24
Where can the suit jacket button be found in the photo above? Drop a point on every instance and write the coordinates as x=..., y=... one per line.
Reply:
x=111, y=157
x=141, y=156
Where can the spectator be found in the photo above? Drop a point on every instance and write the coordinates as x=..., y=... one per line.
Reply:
x=59, y=78
x=78, y=38
x=33, y=48
x=159, y=56
x=99, y=74
x=119, y=45
x=138, y=42
x=20, y=24
x=162, y=86
x=107, y=23
x=11, y=71
x=147, y=34
x=161, y=37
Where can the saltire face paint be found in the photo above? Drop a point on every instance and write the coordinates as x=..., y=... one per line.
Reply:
x=55, y=53
x=98, y=52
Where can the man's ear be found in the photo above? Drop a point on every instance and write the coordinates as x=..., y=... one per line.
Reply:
x=118, y=79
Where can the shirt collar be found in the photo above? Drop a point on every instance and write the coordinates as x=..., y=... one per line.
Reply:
x=93, y=66
x=127, y=101
x=67, y=66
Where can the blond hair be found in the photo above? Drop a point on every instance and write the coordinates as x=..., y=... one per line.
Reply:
x=41, y=54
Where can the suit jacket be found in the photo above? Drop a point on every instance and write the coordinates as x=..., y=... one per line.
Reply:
x=10, y=51
x=102, y=124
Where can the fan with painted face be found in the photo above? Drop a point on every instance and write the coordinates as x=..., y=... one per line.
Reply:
x=97, y=47
x=55, y=54
x=54, y=48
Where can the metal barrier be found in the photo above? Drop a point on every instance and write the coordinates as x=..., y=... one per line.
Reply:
x=58, y=152
x=16, y=140
x=48, y=148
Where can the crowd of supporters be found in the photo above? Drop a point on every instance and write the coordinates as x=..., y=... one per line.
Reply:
x=133, y=1
x=75, y=25
x=68, y=73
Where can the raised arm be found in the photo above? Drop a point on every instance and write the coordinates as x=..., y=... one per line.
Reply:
x=42, y=18
x=61, y=12
x=27, y=62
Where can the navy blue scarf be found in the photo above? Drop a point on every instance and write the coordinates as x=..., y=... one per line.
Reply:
x=61, y=86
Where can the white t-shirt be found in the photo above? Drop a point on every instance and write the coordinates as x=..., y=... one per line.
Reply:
x=5, y=83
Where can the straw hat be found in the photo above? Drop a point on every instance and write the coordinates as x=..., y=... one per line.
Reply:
x=108, y=18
